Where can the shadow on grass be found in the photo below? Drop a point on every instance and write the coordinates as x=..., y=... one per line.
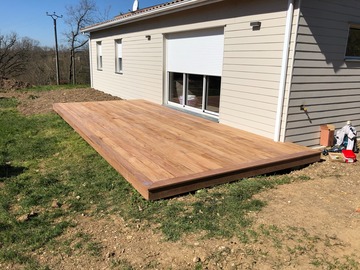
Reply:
x=6, y=170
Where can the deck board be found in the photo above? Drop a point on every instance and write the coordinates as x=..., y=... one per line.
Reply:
x=164, y=152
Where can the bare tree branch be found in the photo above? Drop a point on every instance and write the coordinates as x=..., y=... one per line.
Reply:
x=78, y=16
x=14, y=54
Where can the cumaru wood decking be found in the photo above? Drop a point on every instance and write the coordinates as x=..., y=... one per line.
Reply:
x=163, y=152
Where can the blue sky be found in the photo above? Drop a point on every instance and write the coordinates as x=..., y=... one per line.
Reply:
x=28, y=17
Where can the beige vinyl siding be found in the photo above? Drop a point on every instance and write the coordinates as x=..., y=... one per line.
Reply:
x=251, y=67
x=141, y=76
x=323, y=81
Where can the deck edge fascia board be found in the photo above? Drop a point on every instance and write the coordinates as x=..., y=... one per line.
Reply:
x=303, y=158
x=161, y=192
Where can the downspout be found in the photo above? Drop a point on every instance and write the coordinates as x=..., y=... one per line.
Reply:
x=284, y=68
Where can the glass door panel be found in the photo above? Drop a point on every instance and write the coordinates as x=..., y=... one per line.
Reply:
x=213, y=94
x=176, y=87
x=195, y=89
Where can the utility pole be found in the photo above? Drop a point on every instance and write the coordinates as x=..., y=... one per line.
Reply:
x=55, y=17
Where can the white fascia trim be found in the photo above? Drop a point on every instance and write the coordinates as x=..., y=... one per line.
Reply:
x=150, y=14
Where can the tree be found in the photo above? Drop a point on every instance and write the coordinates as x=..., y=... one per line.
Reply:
x=14, y=54
x=78, y=16
x=40, y=67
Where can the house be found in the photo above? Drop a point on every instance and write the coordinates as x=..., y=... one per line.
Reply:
x=277, y=68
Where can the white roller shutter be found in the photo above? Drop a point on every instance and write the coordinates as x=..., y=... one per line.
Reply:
x=119, y=48
x=196, y=52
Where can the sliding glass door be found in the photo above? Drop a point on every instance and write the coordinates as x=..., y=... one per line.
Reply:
x=199, y=92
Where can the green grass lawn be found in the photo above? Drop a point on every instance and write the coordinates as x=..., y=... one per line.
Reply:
x=43, y=160
x=41, y=88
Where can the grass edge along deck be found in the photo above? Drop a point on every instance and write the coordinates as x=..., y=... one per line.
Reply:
x=119, y=132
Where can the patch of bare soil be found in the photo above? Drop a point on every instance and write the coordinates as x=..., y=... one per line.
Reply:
x=327, y=204
x=310, y=224
x=31, y=102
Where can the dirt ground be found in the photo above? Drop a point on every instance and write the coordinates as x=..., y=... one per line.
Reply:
x=312, y=224
x=41, y=102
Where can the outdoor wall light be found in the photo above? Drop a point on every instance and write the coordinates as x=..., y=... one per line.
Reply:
x=303, y=108
x=255, y=25
x=148, y=37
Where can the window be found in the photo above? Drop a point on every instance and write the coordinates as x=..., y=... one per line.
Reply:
x=353, y=44
x=99, y=55
x=118, y=56
x=199, y=92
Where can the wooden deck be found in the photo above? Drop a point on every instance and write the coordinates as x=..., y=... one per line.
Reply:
x=164, y=152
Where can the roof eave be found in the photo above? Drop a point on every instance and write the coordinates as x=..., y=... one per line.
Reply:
x=150, y=14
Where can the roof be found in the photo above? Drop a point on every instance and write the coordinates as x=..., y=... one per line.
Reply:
x=144, y=10
x=149, y=12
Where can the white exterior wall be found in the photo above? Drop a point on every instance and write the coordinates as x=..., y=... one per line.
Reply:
x=252, y=59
